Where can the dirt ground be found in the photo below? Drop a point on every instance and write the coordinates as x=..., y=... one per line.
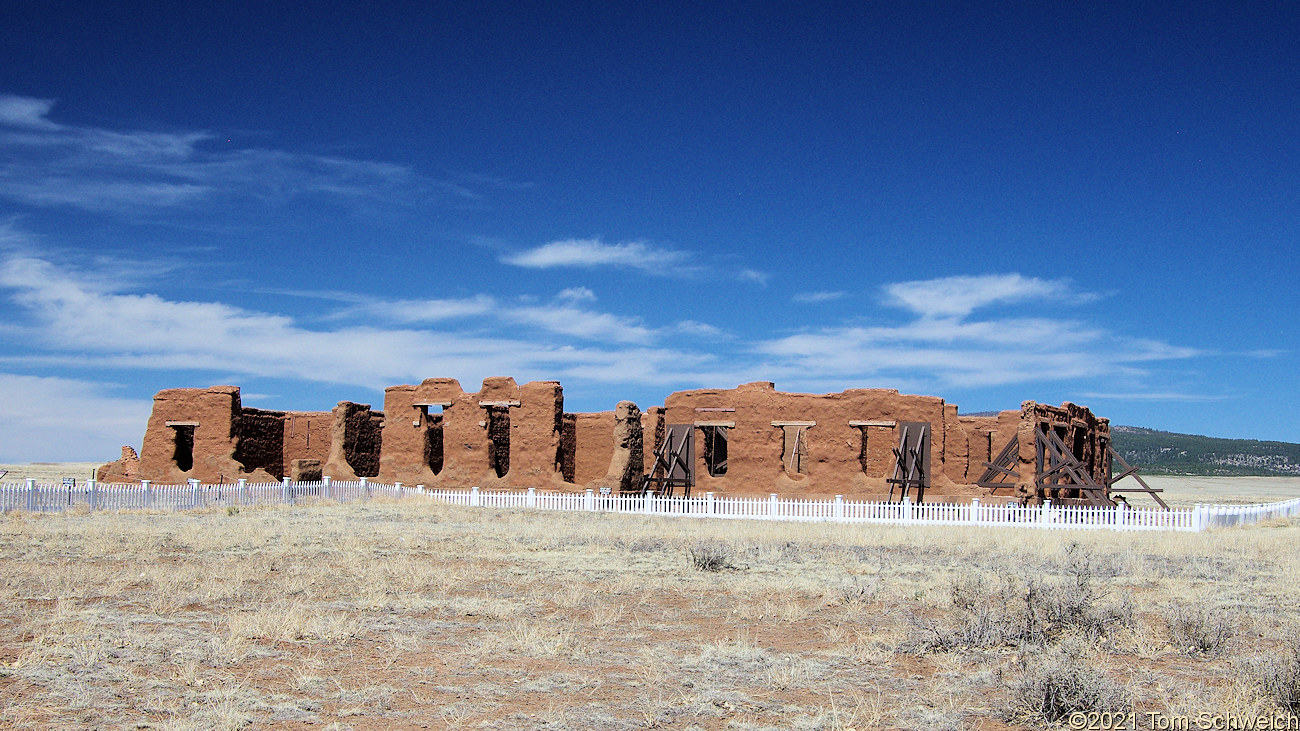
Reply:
x=415, y=615
x=52, y=472
x=1185, y=490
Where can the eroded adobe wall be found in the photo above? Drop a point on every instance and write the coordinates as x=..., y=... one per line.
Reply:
x=355, y=441
x=211, y=416
x=536, y=427
x=565, y=458
x=436, y=434
x=1085, y=435
x=593, y=445
x=652, y=435
x=836, y=461
x=627, y=459
x=503, y=427
x=306, y=435
x=259, y=442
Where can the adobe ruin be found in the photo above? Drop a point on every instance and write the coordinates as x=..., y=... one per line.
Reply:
x=749, y=440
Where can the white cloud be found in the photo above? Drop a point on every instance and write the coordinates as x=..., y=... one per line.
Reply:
x=585, y=324
x=62, y=420
x=815, y=297
x=753, y=275
x=691, y=327
x=52, y=164
x=1154, y=396
x=100, y=327
x=590, y=253
x=953, y=353
x=411, y=312
x=959, y=296
x=19, y=111
x=74, y=320
x=576, y=294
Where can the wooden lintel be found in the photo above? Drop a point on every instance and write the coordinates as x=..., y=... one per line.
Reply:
x=715, y=408
x=182, y=423
x=486, y=404
x=886, y=424
x=727, y=424
x=443, y=404
x=794, y=423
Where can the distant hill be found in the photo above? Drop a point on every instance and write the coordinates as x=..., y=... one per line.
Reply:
x=1167, y=453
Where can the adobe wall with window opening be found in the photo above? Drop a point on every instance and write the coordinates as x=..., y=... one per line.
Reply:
x=508, y=435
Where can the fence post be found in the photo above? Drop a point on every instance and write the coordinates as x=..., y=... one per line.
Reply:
x=474, y=499
x=325, y=486
x=1121, y=516
x=194, y=493
x=286, y=494
x=243, y=491
x=771, y=506
x=365, y=488
x=397, y=486
x=31, y=495
x=839, y=507
x=710, y=506
x=975, y=511
x=531, y=500
x=148, y=493
x=649, y=502
x=91, y=493
x=589, y=500
x=1046, y=516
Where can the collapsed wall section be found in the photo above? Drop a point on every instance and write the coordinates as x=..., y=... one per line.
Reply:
x=354, y=441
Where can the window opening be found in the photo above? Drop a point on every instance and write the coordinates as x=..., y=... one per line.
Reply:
x=715, y=449
x=794, y=448
x=498, y=426
x=183, y=455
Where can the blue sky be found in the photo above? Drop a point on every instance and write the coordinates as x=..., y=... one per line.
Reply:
x=1094, y=202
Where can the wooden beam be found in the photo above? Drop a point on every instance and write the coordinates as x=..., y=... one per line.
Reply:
x=886, y=424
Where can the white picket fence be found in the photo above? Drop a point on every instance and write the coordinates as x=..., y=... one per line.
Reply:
x=144, y=496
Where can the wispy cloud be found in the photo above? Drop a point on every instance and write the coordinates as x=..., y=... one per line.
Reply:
x=753, y=275
x=944, y=348
x=1155, y=396
x=73, y=318
x=592, y=253
x=959, y=296
x=585, y=324
x=692, y=327
x=97, y=325
x=52, y=164
x=815, y=297
x=414, y=312
x=62, y=419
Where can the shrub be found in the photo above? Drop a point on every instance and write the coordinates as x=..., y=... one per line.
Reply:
x=1198, y=631
x=1056, y=684
x=1279, y=676
x=711, y=556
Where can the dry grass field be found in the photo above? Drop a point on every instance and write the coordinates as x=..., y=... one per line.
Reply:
x=415, y=615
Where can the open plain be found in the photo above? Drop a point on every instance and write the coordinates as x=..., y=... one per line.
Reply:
x=415, y=615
